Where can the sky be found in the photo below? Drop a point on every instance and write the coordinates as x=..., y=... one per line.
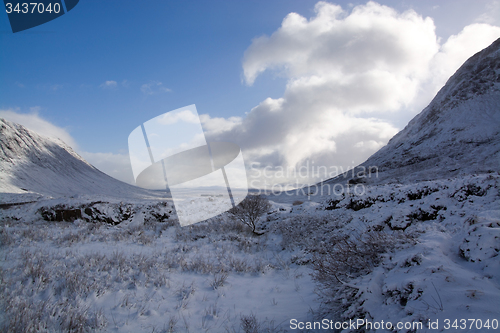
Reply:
x=293, y=82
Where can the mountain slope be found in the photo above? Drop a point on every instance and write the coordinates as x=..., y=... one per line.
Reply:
x=457, y=133
x=33, y=166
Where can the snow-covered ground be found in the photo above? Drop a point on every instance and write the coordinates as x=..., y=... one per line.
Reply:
x=443, y=262
x=438, y=260
x=144, y=278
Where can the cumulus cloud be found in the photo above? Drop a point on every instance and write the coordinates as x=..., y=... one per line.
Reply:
x=333, y=44
x=172, y=118
x=109, y=84
x=348, y=75
x=36, y=123
x=115, y=165
x=458, y=48
x=218, y=125
x=154, y=87
x=492, y=13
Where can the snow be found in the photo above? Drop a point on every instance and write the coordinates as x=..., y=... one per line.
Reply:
x=141, y=277
x=433, y=279
x=82, y=251
x=33, y=166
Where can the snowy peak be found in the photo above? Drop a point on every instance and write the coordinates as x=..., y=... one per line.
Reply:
x=33, y=166
x=478, y=76
x=458, y=133
x=18, y=143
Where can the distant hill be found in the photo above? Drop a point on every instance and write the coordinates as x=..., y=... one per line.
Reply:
x=34, y=166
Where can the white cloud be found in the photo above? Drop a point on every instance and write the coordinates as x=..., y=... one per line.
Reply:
x=218, y=125
x=36, y=123
x=336, y=44
x=109, y=84
x=345, y=72
x=170, y=118
x=458, y=48
x=492, y=14
x=154, y=87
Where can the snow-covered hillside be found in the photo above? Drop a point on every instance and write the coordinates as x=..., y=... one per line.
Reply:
x=457, y=134
x=34, y=167
x=413, y=253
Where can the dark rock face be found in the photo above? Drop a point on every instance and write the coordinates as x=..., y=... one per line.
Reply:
x=105, y=212
x=68, y=215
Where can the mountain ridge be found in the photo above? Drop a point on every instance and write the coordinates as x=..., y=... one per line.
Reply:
x=33, y=166
x=457, y=133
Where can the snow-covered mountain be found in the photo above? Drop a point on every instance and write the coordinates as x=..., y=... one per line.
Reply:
x=33, y=166
x=417, y=249
x=457, y=133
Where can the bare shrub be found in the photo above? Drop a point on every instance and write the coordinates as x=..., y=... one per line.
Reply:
x=35, y=266
x=32, y=315
x=249, y=211
x=145, y=238
x=248, y=245
x=183, y=294
x=201, y=264
x=6, y=237
x=172, y=323
x=218, y=280
x=34, y=233
x=346, y=258
x=308, y=231
x=70, y=238
x=350, y=256
x=211, y=312
x=118, y=260
x=250, y=324
x=238, y=265
x=297, y=203
x=160, y=280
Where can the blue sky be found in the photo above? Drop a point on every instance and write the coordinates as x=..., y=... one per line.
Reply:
x=194, y=48
x=102, y=69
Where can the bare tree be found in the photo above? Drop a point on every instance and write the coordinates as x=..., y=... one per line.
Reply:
x=250, y=209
